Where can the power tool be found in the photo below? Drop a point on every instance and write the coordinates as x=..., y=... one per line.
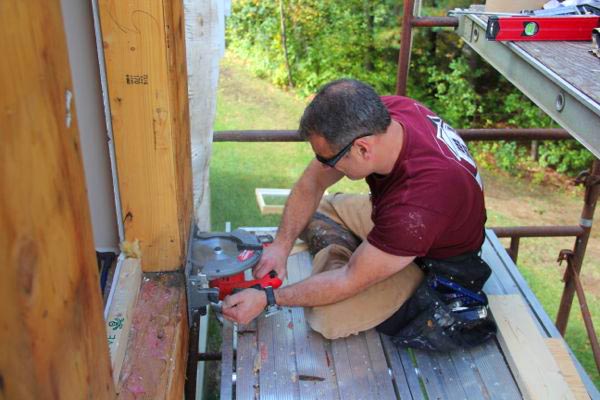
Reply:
x=216, y=264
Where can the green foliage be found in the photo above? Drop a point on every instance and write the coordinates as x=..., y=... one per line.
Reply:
x=566, y=157
x=453, y=96
x=328, y=40
x=325, y=40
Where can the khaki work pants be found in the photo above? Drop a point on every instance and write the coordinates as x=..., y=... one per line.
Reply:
x=369, y=308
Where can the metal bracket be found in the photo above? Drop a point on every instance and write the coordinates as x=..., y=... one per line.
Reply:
x=596, y=42
x=568, y=256
x=589, y=181
x=586, y=179
x=272, y=310
x=565, y=255
x=200, y=296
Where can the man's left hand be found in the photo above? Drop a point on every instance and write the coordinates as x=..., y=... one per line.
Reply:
x=244, y=306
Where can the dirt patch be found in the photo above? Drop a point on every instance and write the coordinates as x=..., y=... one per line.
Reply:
x=239, y=86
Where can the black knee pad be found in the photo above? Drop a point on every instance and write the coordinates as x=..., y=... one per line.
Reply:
x=322, y=231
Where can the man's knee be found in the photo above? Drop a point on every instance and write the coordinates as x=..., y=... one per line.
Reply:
x=327, y=323
x=353, y=211
x=323, y=231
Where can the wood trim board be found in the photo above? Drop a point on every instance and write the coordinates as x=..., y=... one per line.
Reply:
x=120, y=312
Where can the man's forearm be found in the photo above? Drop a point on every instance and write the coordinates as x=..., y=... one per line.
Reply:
x=367, y=266
x=299, y=208
x=325, y=288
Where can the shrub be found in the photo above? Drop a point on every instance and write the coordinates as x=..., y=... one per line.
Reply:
x=328, y=40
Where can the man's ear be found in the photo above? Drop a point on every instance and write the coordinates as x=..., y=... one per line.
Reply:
x=364, y=148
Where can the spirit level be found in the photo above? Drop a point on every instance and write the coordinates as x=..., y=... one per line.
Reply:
x=574, y=27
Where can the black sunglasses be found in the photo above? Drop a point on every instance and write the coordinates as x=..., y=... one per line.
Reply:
x=330, y=162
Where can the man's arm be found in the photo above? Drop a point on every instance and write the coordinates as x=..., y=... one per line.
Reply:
x=299, y=208
x=367, y=266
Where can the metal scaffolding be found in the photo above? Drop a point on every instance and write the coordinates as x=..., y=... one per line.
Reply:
x=590, y=179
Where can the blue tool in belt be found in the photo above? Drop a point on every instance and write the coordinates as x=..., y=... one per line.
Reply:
x=447, y=283
x=469, y=305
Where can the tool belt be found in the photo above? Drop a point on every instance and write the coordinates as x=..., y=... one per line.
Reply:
x=448, y=310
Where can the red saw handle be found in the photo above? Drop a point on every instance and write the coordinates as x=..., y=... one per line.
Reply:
x=234, y=283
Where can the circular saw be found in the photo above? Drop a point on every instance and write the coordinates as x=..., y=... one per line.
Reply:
x=216, y=265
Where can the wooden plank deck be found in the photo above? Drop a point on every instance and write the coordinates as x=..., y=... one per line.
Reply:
x=280, y=357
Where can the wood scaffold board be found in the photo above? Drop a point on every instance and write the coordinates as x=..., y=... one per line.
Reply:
x=531, y=362
x=559, y=350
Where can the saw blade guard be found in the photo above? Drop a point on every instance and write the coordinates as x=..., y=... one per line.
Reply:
x=221, y=254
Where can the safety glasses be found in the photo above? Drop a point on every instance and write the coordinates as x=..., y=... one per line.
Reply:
x=330, y=162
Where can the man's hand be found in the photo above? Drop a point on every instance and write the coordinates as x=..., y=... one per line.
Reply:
x=244, y=306
x=274, y=258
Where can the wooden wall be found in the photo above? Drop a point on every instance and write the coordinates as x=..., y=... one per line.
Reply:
x=147, y=84
x=52, y=341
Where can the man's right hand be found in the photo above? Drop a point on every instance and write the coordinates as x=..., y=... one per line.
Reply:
x=274, y=258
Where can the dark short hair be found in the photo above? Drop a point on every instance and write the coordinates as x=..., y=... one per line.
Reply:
x=343, y=110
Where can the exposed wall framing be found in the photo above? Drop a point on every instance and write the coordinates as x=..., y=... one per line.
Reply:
x=146, y=74
x=50, y=303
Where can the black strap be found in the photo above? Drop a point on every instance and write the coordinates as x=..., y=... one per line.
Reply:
x=270, y=296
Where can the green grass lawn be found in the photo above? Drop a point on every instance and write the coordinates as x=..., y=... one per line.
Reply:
x=245, y=102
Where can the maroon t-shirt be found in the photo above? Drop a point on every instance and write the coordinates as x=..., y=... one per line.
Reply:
x=431, y=204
